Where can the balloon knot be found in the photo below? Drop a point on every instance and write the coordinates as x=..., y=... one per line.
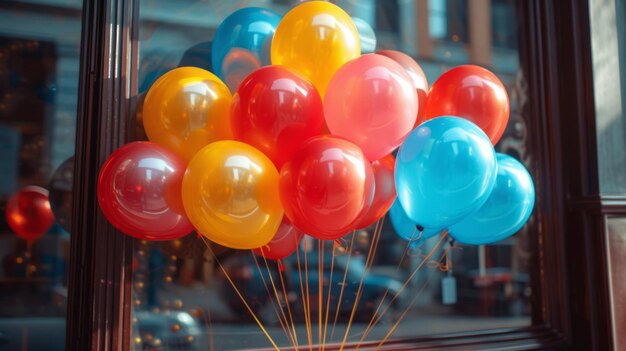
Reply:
x=281, y=266
x=419, y=227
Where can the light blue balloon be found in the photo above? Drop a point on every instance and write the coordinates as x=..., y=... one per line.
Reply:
x=366, y=35
x=242, y=43
x=506, y=211
x=445, y=170
x=406, y=228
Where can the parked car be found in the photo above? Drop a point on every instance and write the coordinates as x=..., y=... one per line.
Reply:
x=169, y=330
x=33, y=318
x=251, y=280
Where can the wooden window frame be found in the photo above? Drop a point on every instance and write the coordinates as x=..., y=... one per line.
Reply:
x=570, y=298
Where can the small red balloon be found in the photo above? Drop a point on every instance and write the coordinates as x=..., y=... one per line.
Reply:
x=416, y=73
x=139, y=191
x=473, y=93
x=276, y=111
x=325, y=187
x=284, y=242
x=385, y=193
x=29, y=214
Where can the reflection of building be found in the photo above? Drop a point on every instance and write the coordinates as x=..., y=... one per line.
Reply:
x=441, y=33
x=610, y=80
x=27, y=25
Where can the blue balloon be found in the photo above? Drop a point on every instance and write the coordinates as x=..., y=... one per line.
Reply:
x=242, y=44
x=406, y=228
x=366, y=35
x=508, y=208
x=445, y=170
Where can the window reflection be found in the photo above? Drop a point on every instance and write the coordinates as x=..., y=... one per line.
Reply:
x=190, y=277
x=39, y=64
x=608, y=42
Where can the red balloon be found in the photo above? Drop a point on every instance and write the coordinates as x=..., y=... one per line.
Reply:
x=473, y=93
x=416, y=73
x=325, y=187
x=139, y=191
x=385, y=193
x=284, y=242
x=276, y=111
x=29, y=214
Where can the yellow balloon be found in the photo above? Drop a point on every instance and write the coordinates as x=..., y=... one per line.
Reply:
x=230, y=194
x=315, y=38
x=186, y=109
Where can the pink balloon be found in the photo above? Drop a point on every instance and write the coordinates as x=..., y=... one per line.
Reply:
x=417, y=75
x=371, y=101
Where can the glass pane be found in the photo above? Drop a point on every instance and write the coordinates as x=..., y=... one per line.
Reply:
x=616, y=242
x=608, y=41
x=182, y=293
x=39, y=64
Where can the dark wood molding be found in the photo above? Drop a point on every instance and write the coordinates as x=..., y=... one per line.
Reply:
x=100, y=263
x=532, y=338
x=599, y=204
x=586, y=253
x=572, y=272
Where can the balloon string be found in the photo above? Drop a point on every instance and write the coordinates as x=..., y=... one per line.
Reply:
x=208, y=320
x=343, y=285
x=308, y=294
x=320, y=279
x=397, y=323
x=293, y=325
x=368, y=264
x=320, y=286
x=444, y=263
x=378, y=317
x=382, y=300
x=330, y=285
x=258, y=322
x=304, y=305
x=282, y=311
x=281, y=266
x=209, y=325
x=339, y=246
x=409, y=246
x=269, y=295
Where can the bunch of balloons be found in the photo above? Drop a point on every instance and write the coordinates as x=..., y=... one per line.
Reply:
x=300, y=139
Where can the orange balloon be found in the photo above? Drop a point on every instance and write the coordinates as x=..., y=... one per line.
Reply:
x=186, y=109
x=314, y=39
x=230, y=194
